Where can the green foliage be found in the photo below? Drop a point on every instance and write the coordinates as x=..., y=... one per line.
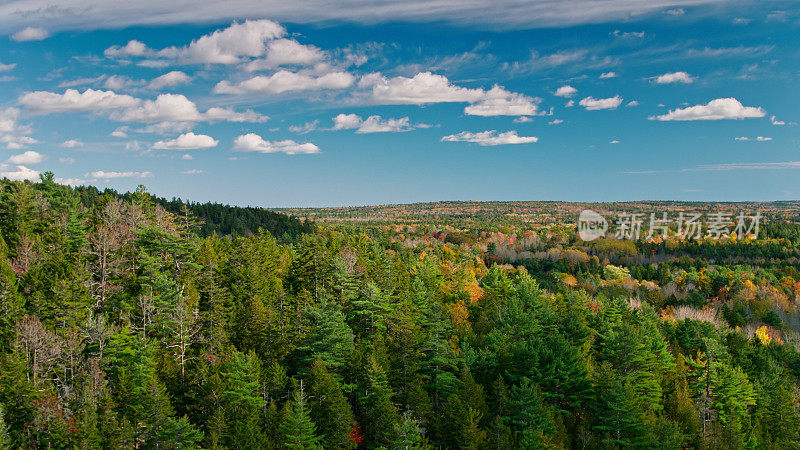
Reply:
x=132, y=321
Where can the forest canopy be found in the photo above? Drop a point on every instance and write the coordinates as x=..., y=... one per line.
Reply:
x=133, y=321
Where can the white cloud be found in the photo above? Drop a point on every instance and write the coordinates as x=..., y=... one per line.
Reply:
x=555, y=122
x=12, y=132
x=628, y=34
x=27, y=158
x=30, y=34
x=427, y=88
x=187, y=141
x=490, y=138
x=173, y=78
x=675, y=11
x=66, y=160
x=109, y=175
x=121, y=132
x=523, y=119
x=605, y=75
x=741, y=21
x=86, y=81
x=775, y=121
x=117, y=82
x=166, y=107
x=230, y=45
x=565, y=91
x=372, y=124
x=193, y=172
x=632, y=103
x=569, y=104
x=229, y=115
x=283, y=52
x=71, y=100
x=495, y=15
x=285, y=81
x=594, y=104
x=252, y=142
x=72, y=143
x=718, y=109
x=132, y=48
x=72, y=181
x=674, y=77
x=18, y=173
x=187, y=157
x=756, y=139
x=7, y=67
x=500, y=102
x=423, y=88
x=615, y=141
x=305, y=128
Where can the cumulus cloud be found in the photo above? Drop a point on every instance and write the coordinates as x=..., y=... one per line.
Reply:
x=523, y=119
x=27, y=158
x=555, y=122
x=7, y=67
x=285, y=81
x=632, y=103
x=490, y=138
x=286, y=52
x=72, y=143
x=165, y=108
x=30, y=34
x=594, y=104
x=423, y=88
x=718, y=109
x=566, y=91
x=500, y=102
x=675, y=11
x=372, y=124
x=173, y=78
x=12, y=132
x=252, y=142
x=132, y=48
x=674, y=77
x=18, y=173
x=172, y=108
x=109, y=175
x=426, y=88
x=187, y=141
x=605, y=75
x=248, y=39
x=43, y=102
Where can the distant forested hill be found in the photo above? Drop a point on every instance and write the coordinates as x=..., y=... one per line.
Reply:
x=216, y=217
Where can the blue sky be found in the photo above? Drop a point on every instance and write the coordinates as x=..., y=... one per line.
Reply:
x=357, y=103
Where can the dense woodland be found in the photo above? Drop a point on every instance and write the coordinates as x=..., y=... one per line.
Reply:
x=129, y=321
